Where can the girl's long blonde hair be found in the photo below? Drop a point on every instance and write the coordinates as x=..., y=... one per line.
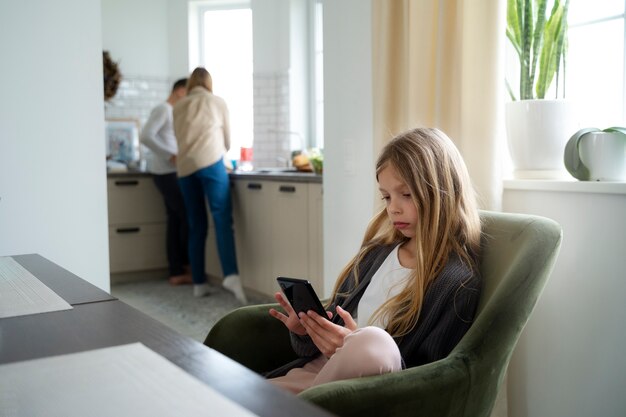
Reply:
x=448, y=222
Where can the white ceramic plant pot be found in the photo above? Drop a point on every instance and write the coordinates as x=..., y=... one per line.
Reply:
x=537, y=131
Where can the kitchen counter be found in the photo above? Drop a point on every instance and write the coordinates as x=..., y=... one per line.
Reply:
x=268, y=174
x=277, y=174
x=129, y=173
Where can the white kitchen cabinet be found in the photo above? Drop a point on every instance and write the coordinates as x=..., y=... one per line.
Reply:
x=277, y=229
x=253, y=234
x=290, y=230
x=137, y=224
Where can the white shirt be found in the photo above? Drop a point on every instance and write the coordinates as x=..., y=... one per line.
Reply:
x=158, y=136
x=387, y=282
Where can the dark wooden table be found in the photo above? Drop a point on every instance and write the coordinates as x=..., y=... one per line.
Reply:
x=111, y=322
x=68, y=286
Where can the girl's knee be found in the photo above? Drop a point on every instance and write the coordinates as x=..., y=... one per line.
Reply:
x=367, y=351
x=369, y=335
x=374, y=345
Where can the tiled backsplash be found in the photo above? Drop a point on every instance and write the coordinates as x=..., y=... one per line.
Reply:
x=271, y=119
x=137, y=95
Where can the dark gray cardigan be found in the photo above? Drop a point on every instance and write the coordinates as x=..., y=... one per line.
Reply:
x=447, y=312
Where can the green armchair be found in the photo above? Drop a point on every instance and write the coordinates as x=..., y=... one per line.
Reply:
x=518, y=254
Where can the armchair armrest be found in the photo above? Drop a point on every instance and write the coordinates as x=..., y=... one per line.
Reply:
x=424, y=391
x=250, y=336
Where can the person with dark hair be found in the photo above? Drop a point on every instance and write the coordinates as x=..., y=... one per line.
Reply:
x=201, y=123
x=158, y=136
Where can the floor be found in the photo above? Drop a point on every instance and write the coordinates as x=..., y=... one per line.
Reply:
x=177, y=308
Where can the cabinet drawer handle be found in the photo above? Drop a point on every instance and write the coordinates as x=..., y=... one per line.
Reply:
x=287, y=189
x=254, y=186
x=128, y=230
x=127, y=182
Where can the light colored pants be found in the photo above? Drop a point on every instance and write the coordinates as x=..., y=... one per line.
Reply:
x=365, y=352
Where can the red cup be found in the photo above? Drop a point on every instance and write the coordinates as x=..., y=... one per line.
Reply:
x=246, y=154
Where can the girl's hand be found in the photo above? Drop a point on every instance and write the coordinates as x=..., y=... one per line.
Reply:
x=290, y=320
x=327, y=336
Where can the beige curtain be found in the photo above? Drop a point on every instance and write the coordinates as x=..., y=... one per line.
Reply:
x=438, y=63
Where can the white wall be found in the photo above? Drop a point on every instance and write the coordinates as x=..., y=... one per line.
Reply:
x=348, y=132
x=178, y=38
x=52, y=165
x=569, y=360
x=270, y=35
x=136, y=33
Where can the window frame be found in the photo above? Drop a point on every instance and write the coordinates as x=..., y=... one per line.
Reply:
x=621, y=16
x=197, y=47
x=314, y=77
x=202, y=7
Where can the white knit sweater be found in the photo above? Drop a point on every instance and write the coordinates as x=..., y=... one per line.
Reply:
x=202, y=130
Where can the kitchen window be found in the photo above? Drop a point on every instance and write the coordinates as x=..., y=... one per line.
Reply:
x=220, y=39
x=224, y=48
x=317, y=75
x=595, y=69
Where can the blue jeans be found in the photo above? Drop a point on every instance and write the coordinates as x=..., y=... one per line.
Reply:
x=213, y=183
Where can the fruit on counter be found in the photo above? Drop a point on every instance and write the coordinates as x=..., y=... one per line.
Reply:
x=301, y=162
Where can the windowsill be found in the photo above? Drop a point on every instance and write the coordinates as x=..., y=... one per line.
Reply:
x=566, y=186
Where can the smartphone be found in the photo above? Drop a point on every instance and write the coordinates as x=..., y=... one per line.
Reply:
x=301, y=295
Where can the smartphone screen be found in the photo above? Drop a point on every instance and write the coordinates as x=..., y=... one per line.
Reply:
x=301, y=295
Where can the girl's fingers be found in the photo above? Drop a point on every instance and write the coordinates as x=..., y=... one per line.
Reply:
x=291, y=322
x=326, y=335
x=277, y=314
x=314, y=320
x=310, y=325
x=284, y=303
x=319, y=339
x=347, y=318
x=281, y=299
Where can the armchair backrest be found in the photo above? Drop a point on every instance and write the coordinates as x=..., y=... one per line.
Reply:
x=518, y=254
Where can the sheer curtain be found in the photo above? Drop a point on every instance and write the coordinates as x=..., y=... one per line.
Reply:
x=439, y=63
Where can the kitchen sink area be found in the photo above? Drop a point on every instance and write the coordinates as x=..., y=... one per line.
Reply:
x=276, y=169
x=278, y=174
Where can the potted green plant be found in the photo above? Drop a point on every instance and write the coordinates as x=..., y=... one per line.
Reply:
x=537, y=127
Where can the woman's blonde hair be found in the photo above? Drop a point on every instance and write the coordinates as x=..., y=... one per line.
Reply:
x=448, y=222
x=200, y=77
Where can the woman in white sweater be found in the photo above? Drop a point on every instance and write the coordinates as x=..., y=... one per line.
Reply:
x=202, y=131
